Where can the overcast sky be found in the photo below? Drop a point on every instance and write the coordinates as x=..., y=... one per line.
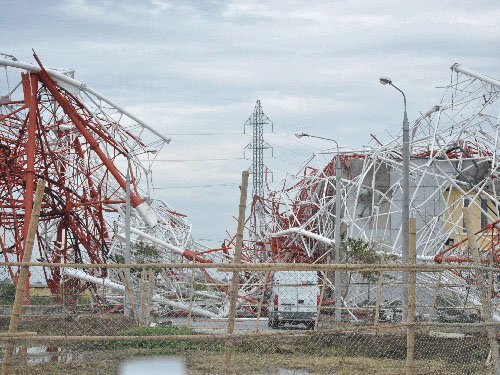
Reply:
x=198, y=67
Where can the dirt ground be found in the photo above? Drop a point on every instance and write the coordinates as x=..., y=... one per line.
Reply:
x=346, y=353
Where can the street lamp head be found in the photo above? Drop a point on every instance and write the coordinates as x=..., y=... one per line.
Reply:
x=385, y=81
x=432, y=110
x=301, y=134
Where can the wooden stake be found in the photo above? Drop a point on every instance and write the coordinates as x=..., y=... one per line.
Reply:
x=235, y=279
x=483, y=291
x=434, y=299
x=141, y=310
x=412, y=279
x=63, y=295
x=261, y=301
x=103, y=296
x=191, y=292
x=150, y=291
x=379, y=294
x=490, y=278
x=321, y=295
x=23, y=274
x=124, y=280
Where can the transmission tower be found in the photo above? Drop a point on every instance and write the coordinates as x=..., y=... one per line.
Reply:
x=257, y=120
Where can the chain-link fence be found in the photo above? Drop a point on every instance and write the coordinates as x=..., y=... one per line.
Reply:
x=73, y=318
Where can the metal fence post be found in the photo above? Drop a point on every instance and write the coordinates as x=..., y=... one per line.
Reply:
x=235, y=279
x=412, y=278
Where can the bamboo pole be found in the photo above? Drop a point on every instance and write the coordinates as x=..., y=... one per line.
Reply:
x=434, y=299
x=191, y=292
x=25, y=337
x=150, y=291
x=235, y=279
x=261, y=301
x=354, y=267
x=17, y=334
x=23, y=274
x=124, y=280
x=483, y=292
x=412, y=278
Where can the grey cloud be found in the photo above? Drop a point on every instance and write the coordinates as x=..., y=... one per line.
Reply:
x=200, y=67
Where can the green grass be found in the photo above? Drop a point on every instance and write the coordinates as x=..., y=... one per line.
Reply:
x=165, y=347
x=156, y=331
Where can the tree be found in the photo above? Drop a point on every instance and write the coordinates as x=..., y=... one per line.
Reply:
x=358, y=251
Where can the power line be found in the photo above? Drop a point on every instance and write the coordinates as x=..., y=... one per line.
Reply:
x=225, y=133
x=286, y=161
x=287, y=149
x=194, y=186
x=189, y=160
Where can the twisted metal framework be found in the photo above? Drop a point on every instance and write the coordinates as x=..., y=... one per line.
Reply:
x=454, y=163
x=56, y=128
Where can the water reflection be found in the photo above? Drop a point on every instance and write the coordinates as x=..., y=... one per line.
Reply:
x=41, y=354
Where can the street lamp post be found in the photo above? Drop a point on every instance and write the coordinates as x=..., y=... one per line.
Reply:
x=405, y=227
x=338, y=192
x=126, y=305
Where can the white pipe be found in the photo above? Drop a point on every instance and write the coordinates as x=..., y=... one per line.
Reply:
x=80, y=86
x=479, y=76
x=147, y=213
x=306, y=233
x=161, y=243
x=79, y=274
x=216, y=275
x=331, y=242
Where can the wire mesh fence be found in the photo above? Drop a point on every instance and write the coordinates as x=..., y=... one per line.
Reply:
x=286, y=320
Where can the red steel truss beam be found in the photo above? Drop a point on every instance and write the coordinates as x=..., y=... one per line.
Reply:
x=82, y=128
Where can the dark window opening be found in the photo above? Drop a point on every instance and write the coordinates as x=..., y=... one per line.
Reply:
x=484, y=207
x=466, y=204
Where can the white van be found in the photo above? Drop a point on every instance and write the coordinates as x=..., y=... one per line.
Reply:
x=294, y=298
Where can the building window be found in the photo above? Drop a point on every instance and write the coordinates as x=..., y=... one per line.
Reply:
x=466, y=204
x=484, y=207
